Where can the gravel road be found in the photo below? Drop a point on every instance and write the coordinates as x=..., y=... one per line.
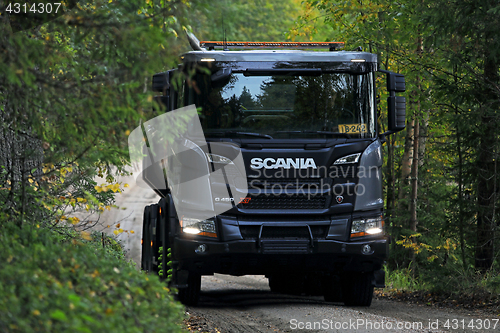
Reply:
x=245, y=304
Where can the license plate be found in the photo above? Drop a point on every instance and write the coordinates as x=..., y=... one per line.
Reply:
x=353, y=128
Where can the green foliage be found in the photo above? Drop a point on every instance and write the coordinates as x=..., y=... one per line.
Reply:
x=70, y=92
x=402, y=279
x=51, y=282
x=261, y=20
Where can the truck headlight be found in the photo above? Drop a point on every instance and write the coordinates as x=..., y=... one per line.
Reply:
x=367, y=227
x=196, y=227
x=349, y=159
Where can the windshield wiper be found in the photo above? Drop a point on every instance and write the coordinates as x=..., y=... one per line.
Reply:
x=342, y=135
x=260, y=135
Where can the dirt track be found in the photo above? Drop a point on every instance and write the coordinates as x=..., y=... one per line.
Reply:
x=245, y=304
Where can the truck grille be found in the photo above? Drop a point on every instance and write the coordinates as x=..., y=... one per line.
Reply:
x=284, y=201
x=252, y=232
x=285, y=247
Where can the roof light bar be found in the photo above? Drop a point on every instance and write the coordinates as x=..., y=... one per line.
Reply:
x=272, y=45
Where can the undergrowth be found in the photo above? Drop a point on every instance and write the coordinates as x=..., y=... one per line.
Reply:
x=53, y=281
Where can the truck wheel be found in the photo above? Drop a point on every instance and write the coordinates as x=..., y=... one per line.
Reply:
x=146, y=253
x=191, y=294
x=357, y=289
x=163, y=235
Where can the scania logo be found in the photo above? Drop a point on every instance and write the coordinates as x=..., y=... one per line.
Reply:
x=285, y=163
x=339, y=199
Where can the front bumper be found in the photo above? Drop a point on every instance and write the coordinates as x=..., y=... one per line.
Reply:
x=268, y=256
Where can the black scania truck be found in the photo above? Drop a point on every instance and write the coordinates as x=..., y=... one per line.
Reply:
x=305, y=122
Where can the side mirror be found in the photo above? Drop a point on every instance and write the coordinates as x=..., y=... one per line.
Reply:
x=396, y=82
x=221, y=77
x=396, y=105
x=396, y=113
x=162, y=83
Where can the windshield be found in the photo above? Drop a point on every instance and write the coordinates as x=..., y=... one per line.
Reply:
x=282, y=106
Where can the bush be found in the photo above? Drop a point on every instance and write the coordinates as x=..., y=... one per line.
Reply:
x=53, y=282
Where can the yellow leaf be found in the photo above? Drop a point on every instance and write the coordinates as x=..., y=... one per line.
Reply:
x=86, y=235
x=108, y=207
x=132, y=231
x=127, y=132
x=116, y=232
x=126, y=185
x=35, y=313
x=114, y=187
x=30, y=180
x=98, y=189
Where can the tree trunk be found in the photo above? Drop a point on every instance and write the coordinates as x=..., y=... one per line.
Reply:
x=414, y=179
x=487, y=178
x=406, y=164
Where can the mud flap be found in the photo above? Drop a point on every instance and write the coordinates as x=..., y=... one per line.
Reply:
x=379, y=278
x=180, y=279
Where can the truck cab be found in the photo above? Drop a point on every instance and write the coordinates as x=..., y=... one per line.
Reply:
x=306, y=209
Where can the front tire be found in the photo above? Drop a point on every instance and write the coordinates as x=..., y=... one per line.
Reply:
x=146, y=251
x=150, y=240
x=357, y=289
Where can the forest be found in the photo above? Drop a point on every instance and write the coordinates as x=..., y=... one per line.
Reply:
x=73, y=86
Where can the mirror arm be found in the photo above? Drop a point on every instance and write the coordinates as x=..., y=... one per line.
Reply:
x=383, y=138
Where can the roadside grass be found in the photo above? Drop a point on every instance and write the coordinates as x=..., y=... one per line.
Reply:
x=59, y=281
x=445, y=286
